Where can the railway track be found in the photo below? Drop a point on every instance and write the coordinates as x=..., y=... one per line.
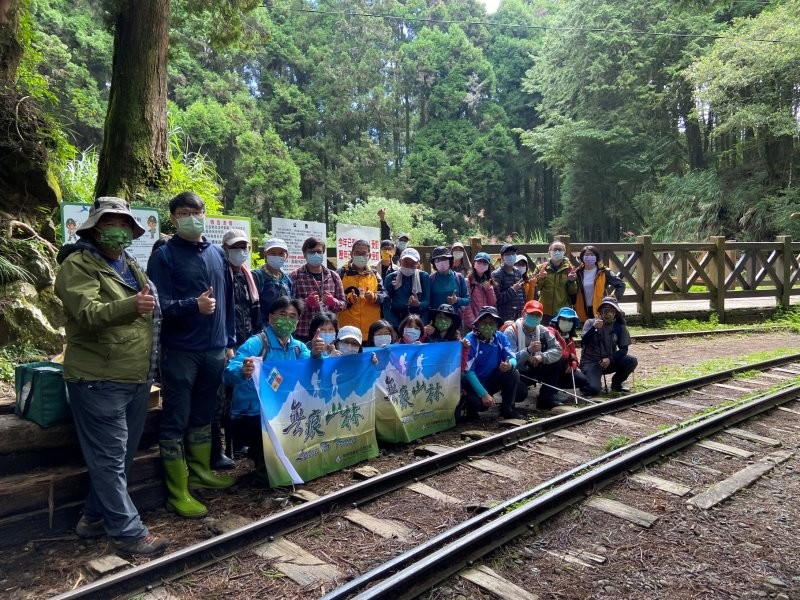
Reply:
x=543, y=468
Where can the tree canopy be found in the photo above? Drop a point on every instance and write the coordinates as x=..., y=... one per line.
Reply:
x=602, y=120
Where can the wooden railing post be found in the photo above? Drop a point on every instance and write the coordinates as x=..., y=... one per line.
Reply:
x=475, y=246
x=783, y=268
x=644, y=277
x=717, y=276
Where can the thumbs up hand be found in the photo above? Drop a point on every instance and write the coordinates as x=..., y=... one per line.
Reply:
x=206, y=303
x=145, y=302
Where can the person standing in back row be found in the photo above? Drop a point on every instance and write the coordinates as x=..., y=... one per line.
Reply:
x=317, y=286
x=555, y=286
x=196, y=292
x=509, y=285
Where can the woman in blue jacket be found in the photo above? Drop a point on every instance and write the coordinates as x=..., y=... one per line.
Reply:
x=275, y=342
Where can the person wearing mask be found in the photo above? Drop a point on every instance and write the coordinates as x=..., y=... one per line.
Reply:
x=363, y=289
x=595, y=281
x=386, y=265
x=604, y=348
x=556, y=285
x=199, y=334
x=565, y=327
x=508, y=284
x=348, y=340
x=274, y=342
x=538, y=355
x=248, y=319
x=327, y=327
x=108, y=299
x=491, y=367
x=461, y=262
x=411, y=330
x=271, y=279
x=381, y=334
x=528, y=278
x=481, y=289
x=319, y=287
x=447, y=286
x=408, y=290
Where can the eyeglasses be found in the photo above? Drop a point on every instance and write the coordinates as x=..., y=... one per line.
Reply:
x=189, y=213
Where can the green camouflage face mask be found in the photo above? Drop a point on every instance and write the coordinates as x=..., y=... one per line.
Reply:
x=442, y=323
x=116, y=238
x=284, y=326
x=487, y=330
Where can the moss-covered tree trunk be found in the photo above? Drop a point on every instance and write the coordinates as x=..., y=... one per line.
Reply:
x=10, y=48
x=134, y=154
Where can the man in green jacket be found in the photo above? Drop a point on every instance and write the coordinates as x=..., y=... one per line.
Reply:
x=555, y=285
x=112, y=319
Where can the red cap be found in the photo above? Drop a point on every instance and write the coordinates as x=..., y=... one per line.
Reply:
x=534, y=306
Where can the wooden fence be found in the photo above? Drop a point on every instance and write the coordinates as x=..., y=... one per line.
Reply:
x=715, y=270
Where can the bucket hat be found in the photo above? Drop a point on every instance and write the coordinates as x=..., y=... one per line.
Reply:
x=612, y=302
x=109, y=205
x=568, y=314
x=447, y=310
x=491, y=311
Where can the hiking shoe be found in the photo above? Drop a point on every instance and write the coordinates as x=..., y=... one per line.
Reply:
x=620, y=387
x=149, y=545
x=86, y=529
x=512, y=415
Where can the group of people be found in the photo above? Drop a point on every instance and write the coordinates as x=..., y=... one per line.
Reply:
x=199, y=317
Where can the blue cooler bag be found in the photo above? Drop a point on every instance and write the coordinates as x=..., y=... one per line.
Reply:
x=41, y=393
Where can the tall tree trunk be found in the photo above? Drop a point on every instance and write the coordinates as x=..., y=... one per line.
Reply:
x=10, y=48
x=134, y=154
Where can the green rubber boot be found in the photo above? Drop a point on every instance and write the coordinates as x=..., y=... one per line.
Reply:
x=179, y=500
x=198, y=459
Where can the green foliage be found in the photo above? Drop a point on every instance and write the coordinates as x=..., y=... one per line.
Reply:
x=78, y=177
x=615, y=442
x=10, y=272
x=17, y=354
x=415, y=219
x=694, y=324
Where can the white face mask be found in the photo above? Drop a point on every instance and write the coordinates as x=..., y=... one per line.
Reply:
x=458, y=255
x=407, y=271
x=411, y=334
x=522, y=268
x=347, y=348
x=565, y=326
x=480, y=268
x=383, y=339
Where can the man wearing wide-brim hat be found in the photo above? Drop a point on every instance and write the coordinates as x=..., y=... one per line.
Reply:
x=604, y=348
x=112, y=320
x=491, y=368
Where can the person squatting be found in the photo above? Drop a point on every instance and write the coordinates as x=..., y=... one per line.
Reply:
x=199, y=317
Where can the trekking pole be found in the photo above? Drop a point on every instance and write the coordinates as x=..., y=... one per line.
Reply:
x=577, y=397
x=574, y=389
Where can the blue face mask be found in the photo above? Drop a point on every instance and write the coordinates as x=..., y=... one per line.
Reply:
x=315, y=259
x=532, y=321
x=276, y=262
x=237, y=256
x=557, y=254
x=327, y=336
x=509, y=259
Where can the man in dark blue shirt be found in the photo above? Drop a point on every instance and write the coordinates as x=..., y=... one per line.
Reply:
x=198, y=335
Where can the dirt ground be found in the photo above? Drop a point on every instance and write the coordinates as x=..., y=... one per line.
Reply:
x=45, y=568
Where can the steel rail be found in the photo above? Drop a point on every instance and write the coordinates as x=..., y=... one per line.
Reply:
x=422, y=569
x=209, y=551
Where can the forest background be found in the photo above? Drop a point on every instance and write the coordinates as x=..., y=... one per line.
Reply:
x=603, y=120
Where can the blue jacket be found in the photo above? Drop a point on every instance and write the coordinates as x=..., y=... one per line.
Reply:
x=271, y=288
x=182, y=271
x=444, y=284
x=485, y=357
x=245, y=399
x=396, y=307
